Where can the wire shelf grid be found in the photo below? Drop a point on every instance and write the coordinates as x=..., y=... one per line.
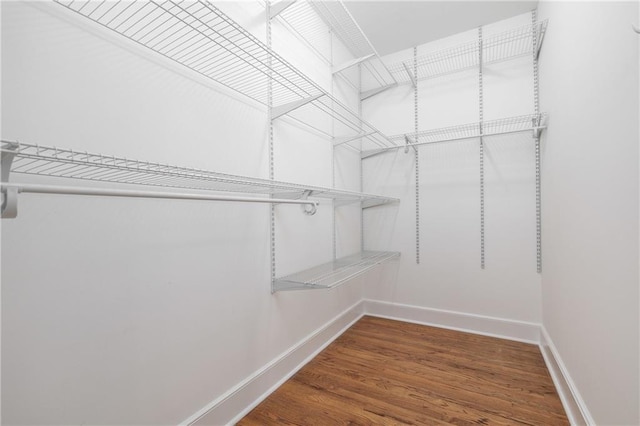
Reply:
x=202, y=38
x=517, y=124
x=339, y=19
x=63, y=163
x=332, y=274
x=503, y=46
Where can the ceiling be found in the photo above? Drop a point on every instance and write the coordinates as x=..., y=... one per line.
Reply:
x=397, y=25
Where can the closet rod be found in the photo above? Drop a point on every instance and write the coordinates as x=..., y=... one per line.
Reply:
x=75, y=190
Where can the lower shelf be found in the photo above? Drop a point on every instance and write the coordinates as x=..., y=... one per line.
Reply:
x=334, y=273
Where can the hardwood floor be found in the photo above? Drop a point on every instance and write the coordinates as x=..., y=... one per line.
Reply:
x=389, y=372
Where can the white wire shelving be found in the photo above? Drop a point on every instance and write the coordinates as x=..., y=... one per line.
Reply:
x=30, y=159
x=199, y=36
x=332, y=274
x=504, y=46
x=534, y=123
x=299, y=17
x=339, y=19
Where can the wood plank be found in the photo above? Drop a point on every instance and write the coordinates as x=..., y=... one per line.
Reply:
x=390, y=372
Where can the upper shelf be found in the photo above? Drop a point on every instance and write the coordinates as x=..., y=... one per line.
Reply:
x=534, y=123
x=500, y=47
x=300, y=16
x=341, y=22
x=199, y=36
x=64, y=163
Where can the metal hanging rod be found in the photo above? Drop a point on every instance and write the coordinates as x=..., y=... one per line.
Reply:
x=534, y=123
x=199, y=36
x=504, y=46
x=22, y=158
x=636, y=29
x=309, y=207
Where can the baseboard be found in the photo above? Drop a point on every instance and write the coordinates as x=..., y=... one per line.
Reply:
x=236, y=403
x=478, y=324
x=573, y=403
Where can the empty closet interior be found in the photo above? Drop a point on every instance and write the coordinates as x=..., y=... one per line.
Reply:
x=199, y=196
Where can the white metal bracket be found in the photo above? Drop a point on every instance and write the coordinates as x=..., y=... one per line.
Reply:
x=372, y=153
x=409, y=143
x=351, y=63
x=9, y=195
x=279, y=7
x=369, y=93
x=308, y=209
x=542, y=31
x=285, y=109
x=346, y=139
x=537, y=126
x=414, y=82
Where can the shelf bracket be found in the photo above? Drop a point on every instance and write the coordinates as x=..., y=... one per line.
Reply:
x=9, y=195
x=279, y=7
x=347, y=139
x=369, y=93
x=308, y=209
x=537, y=126
x=409, y=143
x=372, y=153
x=280, y=110
x=414, y=82
x=541, y=32
x=351, y=63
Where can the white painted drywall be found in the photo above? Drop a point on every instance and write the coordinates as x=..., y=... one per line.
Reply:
x=449, y=276
x=589, y=85
x=124, y=311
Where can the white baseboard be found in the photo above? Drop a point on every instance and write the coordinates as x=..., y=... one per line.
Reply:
x=573, y=403
x=478, y=324
x=236, y=403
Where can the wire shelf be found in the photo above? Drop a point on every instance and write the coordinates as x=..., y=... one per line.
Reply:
x=63, y=163
x=309, y=21
x=504, y=46
x=332, y=274
x=199, y=36
x=517, y=124
x=339, y=19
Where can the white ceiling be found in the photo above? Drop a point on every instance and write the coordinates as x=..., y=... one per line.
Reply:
x=397, y=25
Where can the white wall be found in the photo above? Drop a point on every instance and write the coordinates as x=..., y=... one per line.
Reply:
x=589, y=85
x=449, y=276
x=123, y=311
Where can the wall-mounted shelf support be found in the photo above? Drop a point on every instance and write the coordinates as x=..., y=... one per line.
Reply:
x=346, y=139
x=370, y=93
x=279, y=7
x=9, y=195
x=280, y=110
x=408, y=142
x=308, y=209
x=542, y=29
x=412, y=77
x=352, y=63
